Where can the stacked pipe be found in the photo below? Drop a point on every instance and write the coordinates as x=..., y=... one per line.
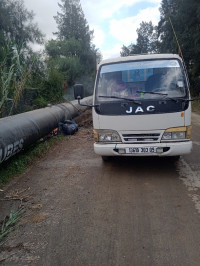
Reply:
x=19, y=131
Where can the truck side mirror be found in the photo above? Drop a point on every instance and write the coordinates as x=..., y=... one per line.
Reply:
x=78, y=91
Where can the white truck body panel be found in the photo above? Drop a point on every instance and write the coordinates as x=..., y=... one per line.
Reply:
x=135, y=123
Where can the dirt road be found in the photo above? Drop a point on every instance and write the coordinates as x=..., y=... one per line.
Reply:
x=129, y=211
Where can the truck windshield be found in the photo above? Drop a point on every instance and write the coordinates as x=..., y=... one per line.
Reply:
x=138, y=80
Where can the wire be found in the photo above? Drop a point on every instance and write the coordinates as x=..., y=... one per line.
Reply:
x=179, y=47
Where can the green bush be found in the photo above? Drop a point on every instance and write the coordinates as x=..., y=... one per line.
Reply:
x=40, y=102
x=51, y=90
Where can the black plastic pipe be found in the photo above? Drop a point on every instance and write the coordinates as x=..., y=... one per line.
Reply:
x=19, y=131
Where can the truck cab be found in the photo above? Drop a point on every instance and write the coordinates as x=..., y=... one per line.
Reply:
x=142, y=107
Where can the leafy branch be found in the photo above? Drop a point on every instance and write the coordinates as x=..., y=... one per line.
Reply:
x=13, y=76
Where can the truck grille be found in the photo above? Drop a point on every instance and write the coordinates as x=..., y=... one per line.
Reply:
x=141, y=138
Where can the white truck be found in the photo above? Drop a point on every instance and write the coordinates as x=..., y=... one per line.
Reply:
x=141, y=107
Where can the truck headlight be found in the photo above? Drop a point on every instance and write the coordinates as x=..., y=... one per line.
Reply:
x=106, y=136
x=177, y=133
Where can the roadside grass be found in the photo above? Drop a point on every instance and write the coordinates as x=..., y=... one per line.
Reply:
x=9, y=224
x=20, y=162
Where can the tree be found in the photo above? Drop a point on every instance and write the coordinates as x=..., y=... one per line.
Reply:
x=16, y=24
x=72, y=23
x=57, y=48
x=13, y=77
x=20, y=67
x=147, y=41
x=17, y=31
x=72, y=53
x=180, y=20
x=125, y=51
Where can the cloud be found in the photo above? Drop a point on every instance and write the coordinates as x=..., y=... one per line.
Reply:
x=124, y=30
x=113, y=32
x=105, y=9
x=44, y=12
x=112, y=52
x=99, y=35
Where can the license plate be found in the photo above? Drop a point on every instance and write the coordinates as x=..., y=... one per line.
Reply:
x=141, y=150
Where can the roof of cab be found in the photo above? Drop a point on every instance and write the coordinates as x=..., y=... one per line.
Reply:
x=138, y=57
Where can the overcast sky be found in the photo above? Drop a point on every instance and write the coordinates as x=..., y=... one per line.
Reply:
x=114, y=21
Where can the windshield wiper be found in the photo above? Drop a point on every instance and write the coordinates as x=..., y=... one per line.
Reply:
x=152, y=92
x=121, y=98
x=159, y=93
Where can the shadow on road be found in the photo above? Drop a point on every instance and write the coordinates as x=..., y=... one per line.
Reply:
x=145, y=166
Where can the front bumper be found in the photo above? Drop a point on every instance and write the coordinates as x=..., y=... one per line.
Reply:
x=169, y=149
